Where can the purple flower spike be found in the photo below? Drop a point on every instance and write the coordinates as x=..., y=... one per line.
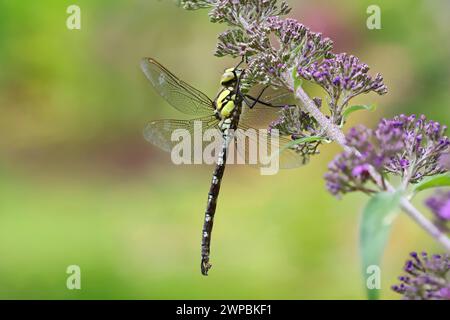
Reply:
x=297, y=46
x=350, y=171
x=426, y=279
x=361, y=170
x=343, y=76
x=439, y=204
x=425, y=144
x=409, y=146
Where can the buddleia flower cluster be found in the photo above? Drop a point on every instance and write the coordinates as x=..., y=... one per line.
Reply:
x=439, y=204
x=426, y=278
x=296, y=45
x=425, y=142
x=408, y=146
x=253, y=27
x=343, y=77
x=278, y=50
x=253, y=39
x=350, y=171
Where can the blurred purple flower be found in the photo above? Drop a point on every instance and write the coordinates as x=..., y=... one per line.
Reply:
x=350, y=170
x=362, y=170
x=404, y=146
x=439, y=204
x=425, y=278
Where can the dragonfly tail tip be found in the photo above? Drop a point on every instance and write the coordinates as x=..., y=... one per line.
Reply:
x=205, y=266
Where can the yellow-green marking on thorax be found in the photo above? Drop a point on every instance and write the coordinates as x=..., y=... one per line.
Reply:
x=225, y=103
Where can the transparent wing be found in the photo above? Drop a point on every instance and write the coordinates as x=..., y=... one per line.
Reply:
x=260, y=148
x=200, y=136
x=177, y=93
x=260, y=116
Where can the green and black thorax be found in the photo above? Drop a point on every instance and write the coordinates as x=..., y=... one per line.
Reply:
x=228, y=102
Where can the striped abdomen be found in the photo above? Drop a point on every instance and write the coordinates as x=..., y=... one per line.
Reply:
x=228, y=127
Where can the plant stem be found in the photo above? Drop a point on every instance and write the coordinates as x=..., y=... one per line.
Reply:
x=335, y=133
x=426, y=224
x=331, y=129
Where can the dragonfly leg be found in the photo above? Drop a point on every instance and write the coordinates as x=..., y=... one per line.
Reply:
x=254, y=101
x=241, y=62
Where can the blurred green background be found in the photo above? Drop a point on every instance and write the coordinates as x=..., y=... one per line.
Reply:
x=79, y=184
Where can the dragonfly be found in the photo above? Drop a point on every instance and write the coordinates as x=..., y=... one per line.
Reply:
x=229, y=111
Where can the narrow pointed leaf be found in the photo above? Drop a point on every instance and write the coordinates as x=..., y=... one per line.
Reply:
x=352, y=109
x=377, y=218
x=440, y=180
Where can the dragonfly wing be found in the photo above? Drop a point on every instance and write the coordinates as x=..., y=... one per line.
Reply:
x=176, y=92
x=168, y=133
x=261, y=115
x=252, y=146
x=277, y=96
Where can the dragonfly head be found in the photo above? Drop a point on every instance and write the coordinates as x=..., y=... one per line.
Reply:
x=230, y=76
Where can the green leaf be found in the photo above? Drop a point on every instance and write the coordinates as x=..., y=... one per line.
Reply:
x=297, y=81
x=352, y=109
x=377, y=217
x=440, y=180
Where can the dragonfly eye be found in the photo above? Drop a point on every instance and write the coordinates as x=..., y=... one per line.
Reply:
x=229, y=75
